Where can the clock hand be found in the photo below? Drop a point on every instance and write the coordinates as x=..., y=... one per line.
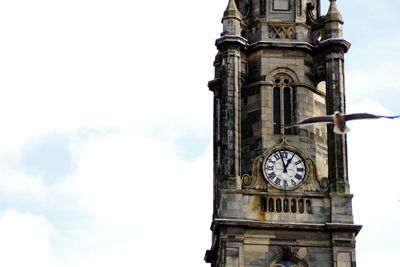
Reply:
x=288, y=162
x=283, y=163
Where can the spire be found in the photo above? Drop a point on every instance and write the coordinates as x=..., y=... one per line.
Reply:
x=232, y=11
x=333, y=12
x=333, y=22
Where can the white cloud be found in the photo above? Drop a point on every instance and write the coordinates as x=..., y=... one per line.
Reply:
x=139, y=191
x=25, y=240
x=374, y=179
x=15, y=184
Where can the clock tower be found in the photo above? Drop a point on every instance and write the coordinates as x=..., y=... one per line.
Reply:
x=281, y=196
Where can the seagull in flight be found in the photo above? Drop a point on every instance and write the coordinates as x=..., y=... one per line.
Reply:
x=339, y=119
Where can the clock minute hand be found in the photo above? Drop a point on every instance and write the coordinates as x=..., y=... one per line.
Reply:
x=288, y=162
x=283, y=163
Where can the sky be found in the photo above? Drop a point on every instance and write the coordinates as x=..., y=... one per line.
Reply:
x=106, y=130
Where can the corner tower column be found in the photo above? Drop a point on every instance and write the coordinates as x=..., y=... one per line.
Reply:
x=226, y=88
x=336, y=47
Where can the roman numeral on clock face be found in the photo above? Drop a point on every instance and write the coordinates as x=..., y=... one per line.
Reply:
x=298, y=176
x=285, y=184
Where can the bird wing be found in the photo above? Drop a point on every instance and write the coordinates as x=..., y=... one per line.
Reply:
x=312, y=120
x=361, y=116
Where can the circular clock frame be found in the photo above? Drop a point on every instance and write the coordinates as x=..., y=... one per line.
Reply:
x=281, y=170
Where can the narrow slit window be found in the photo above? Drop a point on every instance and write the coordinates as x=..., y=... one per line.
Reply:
x=293, y=206
x=263, y=204
x=301, y=206
x=271, y=206
x=308, y=207
x=277, y=110
x=287, y=103
x=278, y=205
x=285, y=205
x=263, y=8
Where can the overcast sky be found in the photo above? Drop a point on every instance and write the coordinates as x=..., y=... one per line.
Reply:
x=106, y=130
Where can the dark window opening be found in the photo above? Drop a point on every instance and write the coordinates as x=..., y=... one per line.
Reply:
x=287, y=103
x=293, y=206
x=308, y=207
x=301, y=206
x=285, y=205
x=263, y=204
x=271, y=207
x=263, y=8
x=277, y=110
x=278, y=205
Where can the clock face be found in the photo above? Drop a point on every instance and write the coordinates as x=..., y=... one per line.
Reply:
x=284, y=169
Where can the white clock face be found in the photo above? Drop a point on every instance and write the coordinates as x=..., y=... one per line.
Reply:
x=284, y=169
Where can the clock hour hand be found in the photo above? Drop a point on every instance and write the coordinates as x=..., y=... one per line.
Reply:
x=283, y=163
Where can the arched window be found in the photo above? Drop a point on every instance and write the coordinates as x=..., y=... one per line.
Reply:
x=285, y=263
x=283, y=103
x=287, y=259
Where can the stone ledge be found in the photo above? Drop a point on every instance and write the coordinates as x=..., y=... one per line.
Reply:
x=277, y=225
x=282, y=44
x=231, y=39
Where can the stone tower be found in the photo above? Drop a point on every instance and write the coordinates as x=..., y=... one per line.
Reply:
x=281, y=196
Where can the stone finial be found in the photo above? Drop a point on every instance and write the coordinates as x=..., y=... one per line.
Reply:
x=232, y=10
x=333, y=12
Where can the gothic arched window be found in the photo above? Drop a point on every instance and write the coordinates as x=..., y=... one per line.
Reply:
x=283, y=103
x=285, y=263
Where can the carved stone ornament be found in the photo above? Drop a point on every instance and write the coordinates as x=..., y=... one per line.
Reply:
x=315, y=183
x=276, y=31
x=256, y=179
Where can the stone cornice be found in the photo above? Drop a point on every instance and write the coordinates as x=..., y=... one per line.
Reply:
x=231, y=39
x=281, y=44
x=217, y=222
x=334, y=42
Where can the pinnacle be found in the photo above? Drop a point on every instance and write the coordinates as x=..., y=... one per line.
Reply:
x=232, y=10
x=333, y=12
